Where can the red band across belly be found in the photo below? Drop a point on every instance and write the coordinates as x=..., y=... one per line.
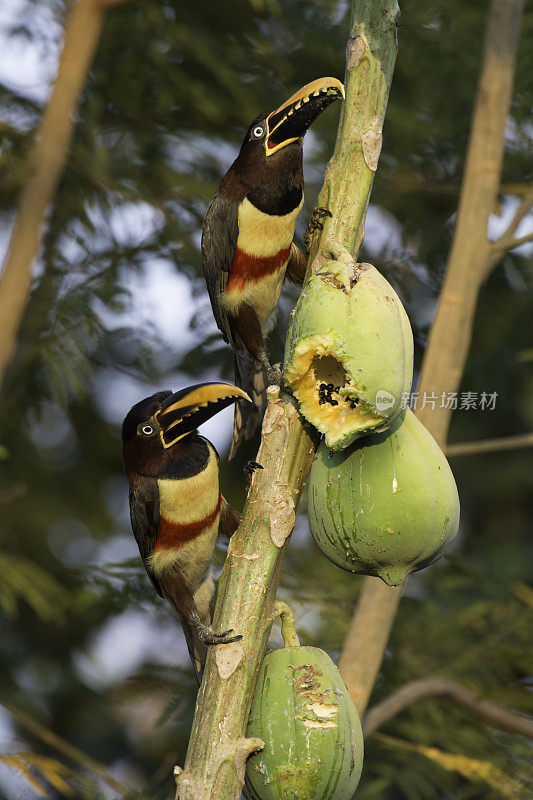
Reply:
x=176, y=534
x=250, y=269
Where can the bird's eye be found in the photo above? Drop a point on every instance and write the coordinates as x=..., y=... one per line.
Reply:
x=147, y=430
x=257, y=131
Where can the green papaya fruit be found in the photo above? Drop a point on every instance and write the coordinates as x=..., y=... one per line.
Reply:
x=313, y=739
x=387, y=506
x=349, y=352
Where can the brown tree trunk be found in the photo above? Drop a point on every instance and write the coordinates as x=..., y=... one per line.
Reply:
x=45, y=167
x=451, y=332
x=495, y=714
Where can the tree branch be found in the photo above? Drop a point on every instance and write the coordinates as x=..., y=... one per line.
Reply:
x=507, y=240
x=493, y=713
x=45, y=167
x=450, y=334
x=523, y=209
x=490, y=445
x=68, y=750
x=528, y=237
x=502, y=246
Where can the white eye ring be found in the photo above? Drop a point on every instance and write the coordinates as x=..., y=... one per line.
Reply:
x=258, y=131
x=147, y=430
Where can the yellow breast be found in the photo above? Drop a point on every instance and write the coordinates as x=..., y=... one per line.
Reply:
x=263, y=234
x=190, y=499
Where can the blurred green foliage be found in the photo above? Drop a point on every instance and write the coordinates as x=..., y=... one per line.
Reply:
x=172, y=89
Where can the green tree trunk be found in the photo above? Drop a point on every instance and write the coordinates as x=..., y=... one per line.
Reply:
x=218, y=749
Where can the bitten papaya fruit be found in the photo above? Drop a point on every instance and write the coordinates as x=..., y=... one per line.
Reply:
x=349, y=352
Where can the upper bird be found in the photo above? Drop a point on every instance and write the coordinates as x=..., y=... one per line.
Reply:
x=247, y=235
x=176, y=507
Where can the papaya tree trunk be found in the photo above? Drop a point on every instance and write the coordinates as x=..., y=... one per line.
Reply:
x=218, y=747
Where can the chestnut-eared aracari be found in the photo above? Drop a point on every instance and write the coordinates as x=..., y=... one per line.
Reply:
x=176, y=508
x=247, y=235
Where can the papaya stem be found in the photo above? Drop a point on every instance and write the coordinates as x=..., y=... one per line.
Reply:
x=338, y=252
x=288, y=631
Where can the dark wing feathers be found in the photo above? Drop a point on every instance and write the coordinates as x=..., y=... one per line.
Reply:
x=220, y=231
x=144, y=514
x=249, y=375
x=230, y=519
x=297, y=266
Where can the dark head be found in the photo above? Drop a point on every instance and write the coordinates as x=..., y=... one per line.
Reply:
x=290, y=122
x=154, y=429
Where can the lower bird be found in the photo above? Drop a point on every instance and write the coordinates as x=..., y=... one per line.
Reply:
x=176, y=508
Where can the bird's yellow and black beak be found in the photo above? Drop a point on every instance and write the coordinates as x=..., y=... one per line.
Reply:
x=294, y=117
x=182, y=412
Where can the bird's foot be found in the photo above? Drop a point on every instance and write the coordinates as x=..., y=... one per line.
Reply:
x=316, y=222
x=208, y=636
x=251, y=466
x=275, y=378
x=274, y=375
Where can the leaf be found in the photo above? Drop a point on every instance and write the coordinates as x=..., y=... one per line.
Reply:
x=16, y=763
x=51, y=772
x=472, y=769
x=25, y=581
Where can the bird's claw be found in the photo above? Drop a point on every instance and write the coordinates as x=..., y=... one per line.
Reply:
x=275, y=378
x=251, y=466
x=208, y=636
x=315, y=223
x=321, y=211
x=274, y=375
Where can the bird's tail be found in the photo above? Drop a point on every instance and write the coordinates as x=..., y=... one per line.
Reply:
x=203, y=600
x=250, y=375
x=197, y=650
